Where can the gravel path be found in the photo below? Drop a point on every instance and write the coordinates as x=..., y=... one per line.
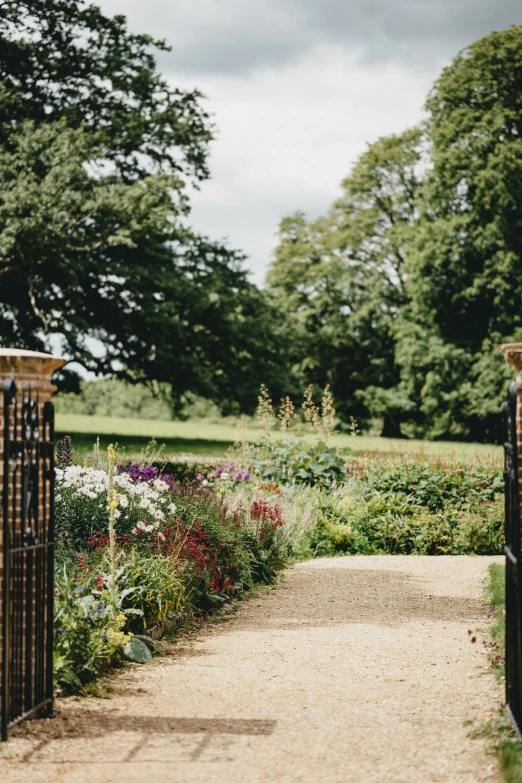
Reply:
x=353, y=669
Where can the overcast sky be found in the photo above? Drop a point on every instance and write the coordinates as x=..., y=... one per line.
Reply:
x=298, y=88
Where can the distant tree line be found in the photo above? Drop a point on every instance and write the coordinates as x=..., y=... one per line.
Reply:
x=397, y=298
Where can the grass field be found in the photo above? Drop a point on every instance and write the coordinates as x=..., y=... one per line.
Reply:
x=200, y=438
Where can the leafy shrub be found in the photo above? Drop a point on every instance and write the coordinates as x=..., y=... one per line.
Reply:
x=152, y=589
x=481, y=528
x=86, y=639
x=395, y=524
x=435, y=485
x=297, y=461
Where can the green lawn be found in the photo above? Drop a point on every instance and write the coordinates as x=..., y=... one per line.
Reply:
x=200, y=438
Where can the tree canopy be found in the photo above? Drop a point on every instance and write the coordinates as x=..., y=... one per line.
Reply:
x=341, y=278
x=420, y=260
x=67, y=60
x=96, y=150
x=397, y=297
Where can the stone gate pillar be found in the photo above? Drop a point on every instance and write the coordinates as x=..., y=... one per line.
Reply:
x=513, y=354
x=31, y=372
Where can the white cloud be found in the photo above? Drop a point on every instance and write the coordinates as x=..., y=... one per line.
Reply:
x=241, y=35
x=297, y=88
x=287, y=137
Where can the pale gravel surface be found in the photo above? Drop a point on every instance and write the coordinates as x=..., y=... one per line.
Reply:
x=353, y=669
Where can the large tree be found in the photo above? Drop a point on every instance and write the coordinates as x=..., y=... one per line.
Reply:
x=66, y=59
x=342, y=278
x=96, y=150
x=464, y=270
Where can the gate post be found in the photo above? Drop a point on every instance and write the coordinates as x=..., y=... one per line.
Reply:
x=513, y=354
x=26, y=533
x=513, y=515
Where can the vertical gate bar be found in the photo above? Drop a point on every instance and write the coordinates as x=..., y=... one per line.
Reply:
x=17, y=670
x=18, y=662
x=8, y=390
x=49, y=478
x=513, y=562
x=27, y=557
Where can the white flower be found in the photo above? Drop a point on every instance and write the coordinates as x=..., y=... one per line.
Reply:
x=99, y=488
x=224, y=476
x=144, y=503
x=146, y=527
x=160, y=485
x=124, y=501
x=158, y=514
x=117, y=514
x=204, y=483
x=172, y=508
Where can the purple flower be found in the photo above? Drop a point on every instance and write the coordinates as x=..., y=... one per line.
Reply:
x=199, y=477
x=139, y=475
x=242, y=475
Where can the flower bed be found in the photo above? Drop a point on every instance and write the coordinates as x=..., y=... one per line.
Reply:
x=173, y=548
x=137, y=548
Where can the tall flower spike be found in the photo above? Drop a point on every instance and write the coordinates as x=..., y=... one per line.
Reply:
x=112, y=505
x=265, y=412
x=327, y=412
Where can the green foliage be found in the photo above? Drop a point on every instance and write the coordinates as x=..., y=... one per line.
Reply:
x=137, y=651
x=117, y=398
x=96, y=153
x=467, y=272
x=481, y=528
x=401, y=295
x=299, y=461
x=435, y=485
x=464, y=268
x=157, y=590
x=392, y=524
x=341, y=278
x=499, y=730
x=85, y=639
x=177, y=548
x=68, y=60
x=413, y=507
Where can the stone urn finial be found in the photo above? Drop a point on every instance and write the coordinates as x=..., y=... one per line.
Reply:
x=513, y=354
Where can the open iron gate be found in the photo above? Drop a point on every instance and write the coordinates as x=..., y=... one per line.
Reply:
x=513, y=565
x=28, y=556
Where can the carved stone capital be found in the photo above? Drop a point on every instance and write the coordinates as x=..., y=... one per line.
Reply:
x=30, y=368
x=513, y=354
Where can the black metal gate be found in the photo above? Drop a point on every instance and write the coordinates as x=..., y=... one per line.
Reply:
x=513, y=565
x=28, y=556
